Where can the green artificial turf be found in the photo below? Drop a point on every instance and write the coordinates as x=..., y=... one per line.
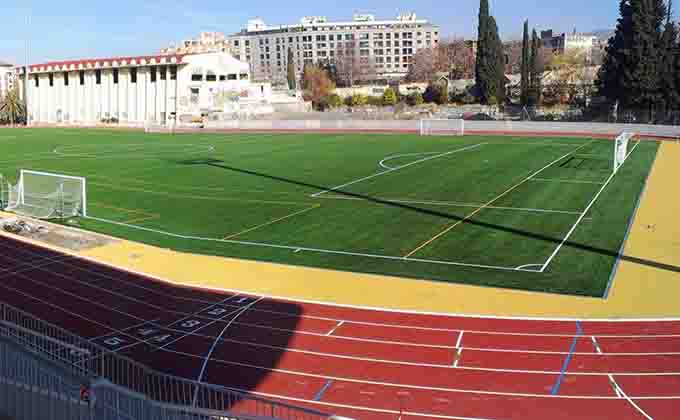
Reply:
x=391, y=196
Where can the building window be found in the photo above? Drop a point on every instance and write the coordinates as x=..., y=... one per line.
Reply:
x=152, y=73
x=65, y=78
x=244, y=76
x=81, y=76
x=115, y=76
x=164, y=72
x=194, y=95
x=37, y=81
x=133, y=75
x=223, y=78
x=98, y=77
x=173, y=73
x=197, y=75
x=210, y=77
x=231, y=77
x=51, y=78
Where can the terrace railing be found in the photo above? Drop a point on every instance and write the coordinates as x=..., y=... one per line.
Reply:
x=119, y=381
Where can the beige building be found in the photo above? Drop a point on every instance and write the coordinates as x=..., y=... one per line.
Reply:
x=7, y=78
x=363, y=48
x=161, y=89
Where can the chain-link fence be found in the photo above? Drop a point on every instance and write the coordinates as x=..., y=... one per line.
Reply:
x=117, y=387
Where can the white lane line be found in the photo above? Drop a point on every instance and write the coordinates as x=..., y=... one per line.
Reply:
x=583, y=215
x=396, y=169
x=622, y=393
x=597, y=347
x=460, y=339
x=335, y=328
x=422, y=387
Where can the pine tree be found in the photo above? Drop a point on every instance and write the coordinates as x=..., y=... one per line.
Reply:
x=524, y=67
x=535, y=71
x=292, y=83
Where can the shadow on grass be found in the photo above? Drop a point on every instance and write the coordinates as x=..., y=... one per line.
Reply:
x=217, y=163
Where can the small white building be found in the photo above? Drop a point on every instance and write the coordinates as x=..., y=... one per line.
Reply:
x=7, y=77
x=138, y=90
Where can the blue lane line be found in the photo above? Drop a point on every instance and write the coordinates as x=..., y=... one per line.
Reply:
x=555, y=389
x=323, y=389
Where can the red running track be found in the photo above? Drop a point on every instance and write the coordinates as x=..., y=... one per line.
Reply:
x=359, y=363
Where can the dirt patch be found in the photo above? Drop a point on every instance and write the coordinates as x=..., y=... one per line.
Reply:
x=54, y=234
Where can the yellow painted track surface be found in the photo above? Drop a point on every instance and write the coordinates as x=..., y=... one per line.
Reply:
x=639, y=290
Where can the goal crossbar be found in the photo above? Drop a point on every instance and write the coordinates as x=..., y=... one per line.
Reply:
x=442, y=127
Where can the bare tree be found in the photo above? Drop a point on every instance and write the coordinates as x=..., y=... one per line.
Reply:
x=455, y=57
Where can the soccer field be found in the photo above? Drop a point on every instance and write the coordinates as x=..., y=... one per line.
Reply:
x=542, y=214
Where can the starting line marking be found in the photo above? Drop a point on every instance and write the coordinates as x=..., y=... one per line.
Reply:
x=556, y=387
x=620, y=393
x=335, y=328
x=597, y=347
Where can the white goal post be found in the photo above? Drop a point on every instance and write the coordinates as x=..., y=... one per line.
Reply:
x=45, y=195
x=621, y=149
x=442, y=127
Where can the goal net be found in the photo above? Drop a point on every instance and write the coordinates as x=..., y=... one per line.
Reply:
x=442, y=127
x=45, y=195
x=622, y=146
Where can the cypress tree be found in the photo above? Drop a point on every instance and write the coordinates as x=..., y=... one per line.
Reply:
x=535, y=71
x=482, y=64
x=668, y=87
x=499, y=58
x=524, y=67
x=292, y=84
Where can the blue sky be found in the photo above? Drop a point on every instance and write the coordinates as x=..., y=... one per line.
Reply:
x=97, y=28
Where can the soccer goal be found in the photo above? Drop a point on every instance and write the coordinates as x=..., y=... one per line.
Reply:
x=442, y=127
x=622, y=146
x=44, y=195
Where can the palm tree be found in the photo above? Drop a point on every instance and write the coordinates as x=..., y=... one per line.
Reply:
x=12, y=107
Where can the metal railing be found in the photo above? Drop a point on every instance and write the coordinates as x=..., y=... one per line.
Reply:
x=116, y=375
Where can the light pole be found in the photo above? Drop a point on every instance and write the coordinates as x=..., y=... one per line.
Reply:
x=26, y=64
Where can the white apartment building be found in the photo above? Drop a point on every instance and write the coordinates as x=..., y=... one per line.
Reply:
x=7, y=77
x=365, y=46
x=137, y=90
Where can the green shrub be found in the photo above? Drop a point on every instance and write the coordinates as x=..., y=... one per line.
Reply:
x=334, y=101
x=358, y=100
x=374, y=100
x=416, y=99
x=389, y=97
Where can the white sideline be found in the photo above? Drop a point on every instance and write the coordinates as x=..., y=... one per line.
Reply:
x=567, y=181
x=315, y=195
x=583, y=214
x=363, y=307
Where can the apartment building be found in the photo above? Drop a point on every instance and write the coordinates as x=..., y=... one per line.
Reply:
x=570, y=42
x=364, y=48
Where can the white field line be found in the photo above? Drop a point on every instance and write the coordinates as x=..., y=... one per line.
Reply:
x=457, y=357
x=583, y=214
x=637, y=407
x=567, y=181
x=217, y=340
x=498, y=197
x=299, y=248
x=382, y=162
x=456, y=204
x=335, y=328
x=396, y=169
x=427, y=388
x=65, y=261
x=168, y=281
